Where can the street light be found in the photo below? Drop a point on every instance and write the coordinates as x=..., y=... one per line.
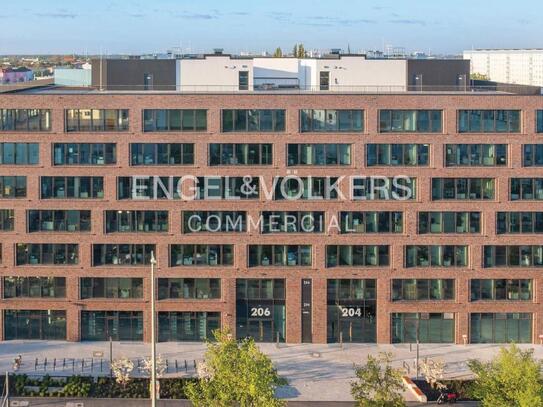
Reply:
x=153, y=342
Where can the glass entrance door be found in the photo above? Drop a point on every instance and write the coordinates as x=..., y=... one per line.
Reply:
x=261, y=330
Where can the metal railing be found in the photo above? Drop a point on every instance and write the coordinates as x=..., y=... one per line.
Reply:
x=49, y=86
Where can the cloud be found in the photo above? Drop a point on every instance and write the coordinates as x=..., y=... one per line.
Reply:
x=407, y=21
x=326, y=21
x=196, y=16
x=59, y=14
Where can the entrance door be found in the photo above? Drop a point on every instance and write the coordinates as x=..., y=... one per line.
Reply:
x=261, y=330
x=34, y=329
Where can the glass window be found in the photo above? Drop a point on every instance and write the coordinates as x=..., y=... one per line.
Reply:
x=489, y=121
x=34, y=324
x=240, y=154
x=27, y=120
x=136, y=221
x=111, y=287
x=397, y=154
x=462, y=189
x=174, y=120
x=279, y=255
x=449, y=222
x=500, y=328
x=34, y=287
x=358, y=256
x=313, y=120
x=201, y=255
x=422, y=289
x=96, y=120
x=19, y=153
x=371, y=222
x=475, y=155
x=58, y=220
x=254, y=120
x=406, y=121
x=519, y=222
x=189, y=288
x=161, y=154
x=122, y=254
x=187, y=326
x=46, y=254
x=422, y=327
x=513, y=256
x=12, y=187
x=117, y=325
x=526, y=189
x=71, y=187
x=436, y=256
x=318, y=154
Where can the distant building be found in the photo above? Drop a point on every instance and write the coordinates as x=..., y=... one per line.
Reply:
x=517, y=66
x=15, y=75
x=74, y=76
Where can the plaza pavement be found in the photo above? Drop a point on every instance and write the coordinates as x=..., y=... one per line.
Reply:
x=314, y=372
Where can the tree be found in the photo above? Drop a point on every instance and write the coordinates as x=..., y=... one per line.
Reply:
x=299, y=51
x=432, y=370
x=234, y=374
x=511, y=379
x=378, y=384
x=122, y=368
x=479, y=76
x=278, y=53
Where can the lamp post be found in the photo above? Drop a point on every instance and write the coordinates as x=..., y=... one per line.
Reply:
x=153, y=330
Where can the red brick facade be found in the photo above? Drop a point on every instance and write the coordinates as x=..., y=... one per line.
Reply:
x=371, y=104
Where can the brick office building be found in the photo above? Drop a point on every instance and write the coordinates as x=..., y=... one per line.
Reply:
x=459, y=261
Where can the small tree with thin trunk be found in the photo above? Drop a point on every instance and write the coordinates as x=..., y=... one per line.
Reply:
x=234, y=374
x=278, y=53
x=122, y=368
x=378, y=384
x=511, y=379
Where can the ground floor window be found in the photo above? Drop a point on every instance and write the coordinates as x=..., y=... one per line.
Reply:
x=260, y=309
x=117, y=325
x=351, y=311
x=430, y=327
x=500, y=327
x=34, y=324
x=187, y=326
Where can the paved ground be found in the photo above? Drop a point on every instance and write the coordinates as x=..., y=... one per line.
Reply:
x=314, y=372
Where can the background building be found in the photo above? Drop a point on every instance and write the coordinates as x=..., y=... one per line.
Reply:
x=515, y=66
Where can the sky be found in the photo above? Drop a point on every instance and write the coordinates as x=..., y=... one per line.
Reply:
x=142, y=26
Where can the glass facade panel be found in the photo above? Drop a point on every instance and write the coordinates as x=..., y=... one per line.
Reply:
x=26, y=120
x=426, y=327
x=117, y=325
x=34, y=324
x=410, y=121
x=254, y=120
x=260, y=309
x=201, y=255
x=489, y=121
x=500, y=328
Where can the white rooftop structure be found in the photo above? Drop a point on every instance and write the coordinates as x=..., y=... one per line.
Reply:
x=516, y=66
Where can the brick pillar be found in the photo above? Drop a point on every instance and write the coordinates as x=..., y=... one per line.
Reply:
x=294, y=310
x=228, y=318
x=319, y=309
x=73, y=323
x=462, y=318
x=383, y=314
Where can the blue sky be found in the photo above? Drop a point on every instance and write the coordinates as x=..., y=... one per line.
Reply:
x=136, y=26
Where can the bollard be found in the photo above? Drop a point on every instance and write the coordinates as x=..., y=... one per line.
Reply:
x=167, y=366
x=36, y=364
x=73, y=365
x=92, y=364
x=194, y=361
x=45, y=364
x=176, y=367
x=82, y=364
x=341, y=340
x=63, y=363
x=55, y=364
x=277, y=340
x=101, y=364
x=186, y=367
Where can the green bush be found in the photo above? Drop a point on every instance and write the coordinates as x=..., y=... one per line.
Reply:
x=102, y=387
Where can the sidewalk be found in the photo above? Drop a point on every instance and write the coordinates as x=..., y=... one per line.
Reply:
x=314, y=372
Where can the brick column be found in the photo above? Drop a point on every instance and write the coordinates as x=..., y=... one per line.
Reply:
x=319, y=309
x=294, y=310
x=383, y=314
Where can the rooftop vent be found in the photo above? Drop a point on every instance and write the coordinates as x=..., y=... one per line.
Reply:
x=218, y=51
x=335, y=51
